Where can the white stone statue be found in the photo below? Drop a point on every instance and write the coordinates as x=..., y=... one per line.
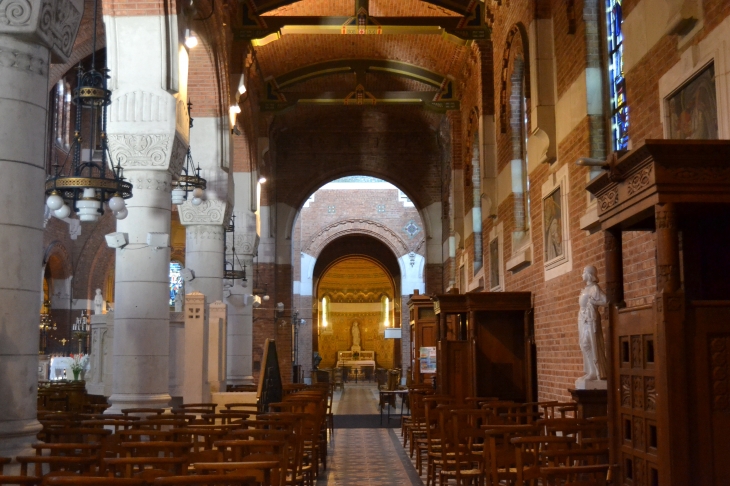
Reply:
x=98, y=302
x=590, y=334
x=355, y=336
x=179, y=301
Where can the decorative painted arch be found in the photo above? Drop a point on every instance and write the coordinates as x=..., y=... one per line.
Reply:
x=524, y=45
x=363, y=226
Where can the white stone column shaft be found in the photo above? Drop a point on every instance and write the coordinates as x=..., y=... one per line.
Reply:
x=142, y=290
x=204, y=253
x=29, y=34
x=240, y=337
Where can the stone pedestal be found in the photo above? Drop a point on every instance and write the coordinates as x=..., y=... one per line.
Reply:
x=240, y=337
x=195, y=383
x=591, y=403
x=217, y=317
x=30, y=32
x=100, y=377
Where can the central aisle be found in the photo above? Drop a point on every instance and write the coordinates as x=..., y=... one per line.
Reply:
x=365, y=456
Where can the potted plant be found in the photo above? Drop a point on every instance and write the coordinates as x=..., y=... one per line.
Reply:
x=78, y=364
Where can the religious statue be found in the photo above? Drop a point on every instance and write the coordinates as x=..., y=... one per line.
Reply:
x=590, y=332
x=179, y=301
x=98, y=302
x=356, y=336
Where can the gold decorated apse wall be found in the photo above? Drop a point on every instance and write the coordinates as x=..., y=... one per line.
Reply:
x=341, y=339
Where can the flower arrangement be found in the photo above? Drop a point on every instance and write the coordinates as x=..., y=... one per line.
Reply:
x=79, y=362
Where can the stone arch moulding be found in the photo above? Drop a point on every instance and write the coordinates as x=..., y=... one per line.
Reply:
x=517, y=28
x=363, y=226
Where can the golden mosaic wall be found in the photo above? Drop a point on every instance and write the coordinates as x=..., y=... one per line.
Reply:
x=341, y=338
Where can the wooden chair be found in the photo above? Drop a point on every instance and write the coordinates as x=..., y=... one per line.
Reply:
x=91, y=481
x=230, y=417
x=143, y=411
x=57, y=464
x=206, y=480
x=262, y=472
x=499, y=452
x=199, y=406
x=463, y=449
x=241, y=407
x=531, y=453
x=243, y=451
x=146, y=468
x=20, y=480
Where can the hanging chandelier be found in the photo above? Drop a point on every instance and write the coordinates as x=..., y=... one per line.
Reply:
x=89, y=181
x=189, y=180
x=229, y=267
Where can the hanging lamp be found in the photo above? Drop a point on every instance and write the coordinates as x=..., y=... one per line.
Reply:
x=86, y=184
x=189, y=180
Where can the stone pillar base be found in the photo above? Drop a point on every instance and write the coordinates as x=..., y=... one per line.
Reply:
x=15, y=440
x=591, y=403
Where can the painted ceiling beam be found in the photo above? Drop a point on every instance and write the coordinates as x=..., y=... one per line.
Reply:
x=260, y=30
x=458, y=6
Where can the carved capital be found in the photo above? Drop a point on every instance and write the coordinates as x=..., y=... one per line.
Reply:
x=51, y=23
x=209, y=212
x=204, y=232
x=148, y=151
x=245, y=243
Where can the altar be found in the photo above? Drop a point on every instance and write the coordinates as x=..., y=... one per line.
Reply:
x=346, y=359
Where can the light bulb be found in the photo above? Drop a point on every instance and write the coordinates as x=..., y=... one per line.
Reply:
x=199, y=193
x=116, y=203
x=266, y=298
x=54, y=202
x=236, y=109
x=63, y=212
x=89, y=205
x=190, y=39
x=196, y=201
x=262, y=179
x=121, y=214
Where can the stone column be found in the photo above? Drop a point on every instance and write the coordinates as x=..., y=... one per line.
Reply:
x=30, y=32
x=240, y=329
x=148, y=132
x=204, y=245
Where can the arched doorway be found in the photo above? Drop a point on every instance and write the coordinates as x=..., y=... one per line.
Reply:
x=355, y=305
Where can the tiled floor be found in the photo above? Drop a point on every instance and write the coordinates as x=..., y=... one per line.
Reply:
x=366, y=457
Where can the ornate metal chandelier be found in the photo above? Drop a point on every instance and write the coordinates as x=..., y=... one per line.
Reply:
x=87, y=183
x=189, y=180
x=229, y=265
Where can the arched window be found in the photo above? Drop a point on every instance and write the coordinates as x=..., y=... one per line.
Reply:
x=62, y=115
x=176, y=281
x=519, y=107
x=476, y=184
x=616, y=81
x=324, y=315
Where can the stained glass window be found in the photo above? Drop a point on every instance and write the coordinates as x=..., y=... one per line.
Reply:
x=176, y=281
x=616, y=81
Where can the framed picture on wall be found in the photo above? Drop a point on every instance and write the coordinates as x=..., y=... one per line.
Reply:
x=494, y=281
x=693, y=108
x=553, y=225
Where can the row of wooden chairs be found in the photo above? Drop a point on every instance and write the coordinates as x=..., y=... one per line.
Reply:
x=193, y=444
x=485, y=440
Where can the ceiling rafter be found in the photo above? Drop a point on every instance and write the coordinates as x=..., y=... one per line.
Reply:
x=441, y=99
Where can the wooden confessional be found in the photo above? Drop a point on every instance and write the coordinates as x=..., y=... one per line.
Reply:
x=669, y=384
x=486, y=346
x=424, y=333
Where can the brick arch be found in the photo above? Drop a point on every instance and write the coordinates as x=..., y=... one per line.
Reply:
x=57, y=260
x=515, y=46
x=346, y=227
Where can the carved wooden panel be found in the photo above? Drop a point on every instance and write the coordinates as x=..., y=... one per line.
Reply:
x=636, y=400
x=720, y=372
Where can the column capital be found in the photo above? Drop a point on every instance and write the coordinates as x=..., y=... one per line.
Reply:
x=212, y=212
x=159, y=152
x=51, y=23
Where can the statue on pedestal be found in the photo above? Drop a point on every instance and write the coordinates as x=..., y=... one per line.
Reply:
x=355, y=336
x=98, y=302
x=590, y=333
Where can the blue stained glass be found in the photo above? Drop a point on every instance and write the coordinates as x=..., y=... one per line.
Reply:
x=176, y=281
x=617, y=84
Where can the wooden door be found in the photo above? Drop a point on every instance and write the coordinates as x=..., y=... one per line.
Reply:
x=501, y=356
x=635, y=428
x=456, y=369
